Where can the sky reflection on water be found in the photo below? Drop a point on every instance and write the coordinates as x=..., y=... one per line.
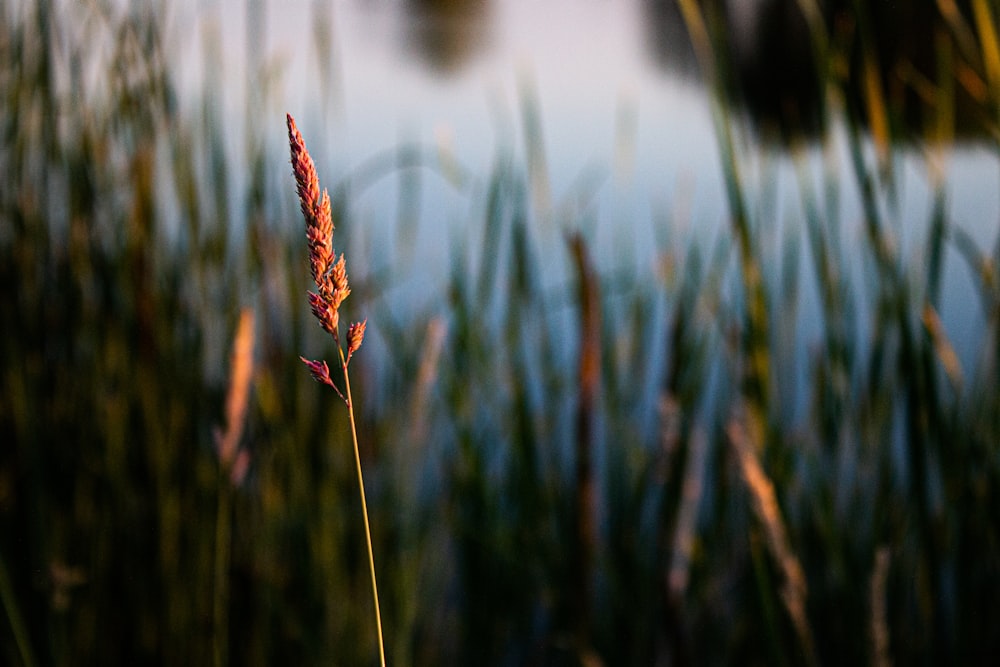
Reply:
x=616, y=87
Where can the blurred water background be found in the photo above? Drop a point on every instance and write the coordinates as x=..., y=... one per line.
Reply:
x=603, y=103
x=683, y=331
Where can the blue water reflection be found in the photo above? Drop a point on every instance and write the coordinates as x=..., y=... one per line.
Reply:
x=617, y=88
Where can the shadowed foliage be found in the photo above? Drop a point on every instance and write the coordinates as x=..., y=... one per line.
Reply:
x=567, y=461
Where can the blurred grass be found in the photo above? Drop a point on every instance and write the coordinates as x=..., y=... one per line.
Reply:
x=558, y=464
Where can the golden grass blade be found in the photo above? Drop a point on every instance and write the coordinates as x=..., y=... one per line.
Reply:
x=241, y=373
x=233, y=464
x=989, y=44
x=698, y=32
x=943, y=348
x=959, y=28
x=765, y=504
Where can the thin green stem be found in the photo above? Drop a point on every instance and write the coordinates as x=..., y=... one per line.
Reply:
x=223, y=532
x=364, y=504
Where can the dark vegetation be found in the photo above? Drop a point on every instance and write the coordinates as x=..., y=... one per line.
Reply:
x=598, y=467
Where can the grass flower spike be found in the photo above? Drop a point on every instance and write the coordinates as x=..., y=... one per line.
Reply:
x=330, y=276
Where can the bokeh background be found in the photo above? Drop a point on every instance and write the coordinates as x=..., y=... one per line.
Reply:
x=682, y=332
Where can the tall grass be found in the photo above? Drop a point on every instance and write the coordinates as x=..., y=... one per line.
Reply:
x=332, y=287
x=564, y=465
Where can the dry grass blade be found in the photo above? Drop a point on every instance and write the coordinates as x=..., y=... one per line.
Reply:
x=989, y=42
x=687, y=516
x=765, y=504
x=943, y=347
x=437, y=331
x=233, y=465
x=879, y=621
x=960, y=29
x=700, y=38
x=227, y=442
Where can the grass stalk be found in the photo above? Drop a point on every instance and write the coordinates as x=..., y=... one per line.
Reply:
x=364, y=503
x=332, y=287
x=879, y=613
x=757, y=375
x=586, y=486
x=765, y=505
x=233, y=462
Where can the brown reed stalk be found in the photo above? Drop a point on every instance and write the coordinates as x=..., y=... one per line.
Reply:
x=586, y=485
x=943, y=348
x=757, y=384
x=330, y=276
x=233, y=464
x=234, y=461
x=879, y=614
x=765, y=504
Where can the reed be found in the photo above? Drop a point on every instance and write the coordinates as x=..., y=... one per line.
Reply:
x=761, y=488
x=234, y=462
x=865, y=527
x=330, y=277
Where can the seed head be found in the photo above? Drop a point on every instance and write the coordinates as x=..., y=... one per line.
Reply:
x=355, y=336
x=315, y=207
x=320, y=371
x=325, y=314
x=328, y=271
x=306, y=180
x=336, y=283
x=319, y=234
